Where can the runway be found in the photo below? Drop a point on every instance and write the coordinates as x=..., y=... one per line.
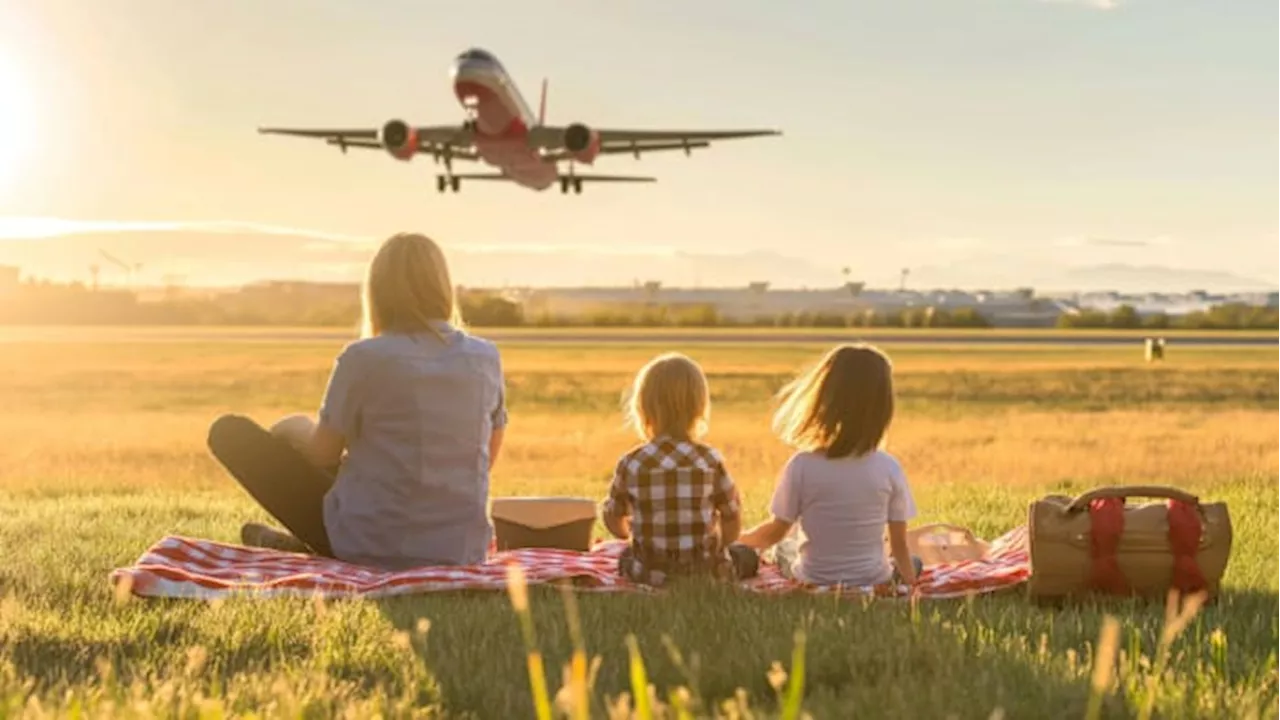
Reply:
x=566, y=336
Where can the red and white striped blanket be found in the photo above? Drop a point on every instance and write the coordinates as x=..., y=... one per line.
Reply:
x=180, y=567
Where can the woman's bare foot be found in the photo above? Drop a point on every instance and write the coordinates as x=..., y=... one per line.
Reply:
x=258, y=535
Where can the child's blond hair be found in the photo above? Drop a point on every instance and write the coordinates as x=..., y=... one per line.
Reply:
x=407, y=287
x=670, y=397
x=842, y=406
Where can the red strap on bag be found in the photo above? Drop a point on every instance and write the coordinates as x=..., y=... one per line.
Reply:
x=1184, y=540
x=1106, y=520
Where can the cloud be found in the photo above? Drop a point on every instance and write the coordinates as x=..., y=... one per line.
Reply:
x=35, y=228
x=40, y=228
x=1076, y=241
x=1094, y=4
x=1116, y=242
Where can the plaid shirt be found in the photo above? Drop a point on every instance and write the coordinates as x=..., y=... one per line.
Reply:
x=671, y=490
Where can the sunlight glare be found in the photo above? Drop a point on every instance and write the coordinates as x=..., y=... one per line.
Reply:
x=16, y=120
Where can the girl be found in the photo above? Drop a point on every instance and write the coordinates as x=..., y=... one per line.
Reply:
x=840, y=487
x=417, y=406
x=671, y=496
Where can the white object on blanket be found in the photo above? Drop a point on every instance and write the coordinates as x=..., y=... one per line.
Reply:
x=943, y=543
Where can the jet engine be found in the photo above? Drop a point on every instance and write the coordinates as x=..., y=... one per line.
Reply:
x=400, y=139
x=582, y=142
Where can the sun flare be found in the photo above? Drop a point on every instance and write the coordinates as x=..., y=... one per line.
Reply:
x=16, y=114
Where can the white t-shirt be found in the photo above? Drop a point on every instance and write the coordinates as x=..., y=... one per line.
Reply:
x=842, y=507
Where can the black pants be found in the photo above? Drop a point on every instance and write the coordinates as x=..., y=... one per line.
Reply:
x=283, y=482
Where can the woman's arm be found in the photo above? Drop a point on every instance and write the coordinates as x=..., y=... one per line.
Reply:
x=320, y=444
x=495, y=444
x=766, y=534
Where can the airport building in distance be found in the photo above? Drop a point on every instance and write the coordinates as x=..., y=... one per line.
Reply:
x=1021, y=307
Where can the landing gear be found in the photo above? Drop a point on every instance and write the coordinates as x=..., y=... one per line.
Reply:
x=571, y=182
x=448, y=180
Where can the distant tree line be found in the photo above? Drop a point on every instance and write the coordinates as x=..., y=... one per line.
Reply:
x=1230, y=316
x=702, y=315
x=50, y=304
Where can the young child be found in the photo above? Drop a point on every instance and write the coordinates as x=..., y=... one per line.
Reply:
x=672, y=496
x=840, y=487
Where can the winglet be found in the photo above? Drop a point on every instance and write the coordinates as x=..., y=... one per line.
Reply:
x=542, y=104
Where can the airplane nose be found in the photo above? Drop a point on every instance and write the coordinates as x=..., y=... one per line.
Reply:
x=465, y=67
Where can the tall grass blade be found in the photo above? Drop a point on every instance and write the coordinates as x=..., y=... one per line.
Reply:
x=1104, y=661
x=679, y=700
x=694, y=699
x=518, y=590
x=795, y=686
x=1175, y=621
x=581, y=702
x=639, y=681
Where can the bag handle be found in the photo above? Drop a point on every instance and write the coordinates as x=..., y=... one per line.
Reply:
x=1127, y=491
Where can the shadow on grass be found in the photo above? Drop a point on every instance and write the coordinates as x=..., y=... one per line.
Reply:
x=878, y=659
x=949, y=658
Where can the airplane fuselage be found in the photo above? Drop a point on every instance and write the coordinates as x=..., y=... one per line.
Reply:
x=501, y=120
x=502, y=132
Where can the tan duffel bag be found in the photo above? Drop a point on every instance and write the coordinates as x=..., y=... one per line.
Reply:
x=1095, y=543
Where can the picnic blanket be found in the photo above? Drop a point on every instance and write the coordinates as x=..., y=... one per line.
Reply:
x=181, y=567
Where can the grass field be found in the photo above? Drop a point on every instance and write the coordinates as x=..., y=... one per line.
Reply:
x=104, y=454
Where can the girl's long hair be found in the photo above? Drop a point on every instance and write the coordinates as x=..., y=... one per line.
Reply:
x=842, y=406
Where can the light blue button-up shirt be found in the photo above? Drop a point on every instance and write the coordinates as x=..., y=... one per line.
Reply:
x=417, y=414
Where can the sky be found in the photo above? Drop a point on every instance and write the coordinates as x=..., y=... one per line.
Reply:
x=974, y=133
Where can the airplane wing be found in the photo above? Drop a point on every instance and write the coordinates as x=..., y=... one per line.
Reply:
x=583, y=178
x=432, y=139
x=438, y=134
x=637, y=149
x=551, y=139
x=455, y=152
x=610, y=137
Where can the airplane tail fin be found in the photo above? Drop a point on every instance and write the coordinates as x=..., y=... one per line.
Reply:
x=542, y=104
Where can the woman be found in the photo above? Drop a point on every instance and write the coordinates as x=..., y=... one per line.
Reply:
x=418, y=407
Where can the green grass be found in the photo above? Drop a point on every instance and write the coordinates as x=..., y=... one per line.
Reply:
x=106, y=456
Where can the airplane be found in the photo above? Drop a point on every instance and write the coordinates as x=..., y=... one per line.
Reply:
x=501, y=131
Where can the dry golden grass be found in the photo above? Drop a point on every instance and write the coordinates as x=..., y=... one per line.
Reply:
x=126, y=417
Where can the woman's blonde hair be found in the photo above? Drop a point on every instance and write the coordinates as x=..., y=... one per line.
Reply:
x=842, y=406
x=408, y=287
x=670, y=397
